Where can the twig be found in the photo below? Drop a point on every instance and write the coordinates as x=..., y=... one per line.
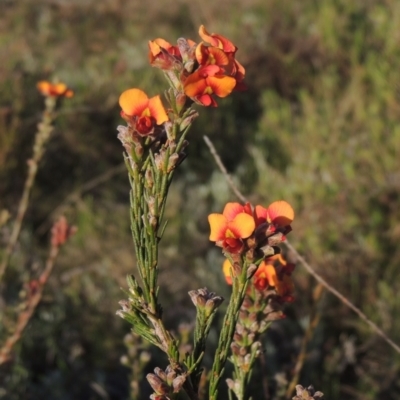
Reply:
x=60, y=233
x=301, y=259
x=32, y=303
x=222, y=168
x=42, y=135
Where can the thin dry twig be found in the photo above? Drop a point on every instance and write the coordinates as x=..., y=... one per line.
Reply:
x=32, y=302
x=42, y=135
x=302, y=260
x=60, y=233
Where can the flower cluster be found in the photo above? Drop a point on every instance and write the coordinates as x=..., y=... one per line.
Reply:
x=165, y=384
x=254, y=231
x=49, y=89
x=200, y=70
x=273, y=273
x=249, y=237
x=196, y=72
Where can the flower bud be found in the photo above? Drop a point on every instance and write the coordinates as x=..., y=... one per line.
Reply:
x=125, y=305
x=172, y=161
x=188, y=120
x=160, y=373
x=255, y=326
x=149, y=180
x=157, y=384
x=242, y=351
x=151, y=203
x=178, y=382
x=180, y=102
x=235, y=348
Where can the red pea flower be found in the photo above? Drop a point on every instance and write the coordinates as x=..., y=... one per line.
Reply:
x=206, y=81
x=143, y=112
x=229, y=228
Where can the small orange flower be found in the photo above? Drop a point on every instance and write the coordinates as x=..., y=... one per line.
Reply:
x=163, y=54
x=217, y=40
x=209, y=55
x=219, y=46
x=206, y=81
x=229, y=228
x=280, y=213
x=265, y=276
x=144, y=112
x=49, y=89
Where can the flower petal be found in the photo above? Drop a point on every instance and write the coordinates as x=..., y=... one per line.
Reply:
x=221, y=85
x=217, y=226
x=133, y=102
x=280, y=213
x=154, y=45
x=268, y=272
x=211, y=55
x=195, y=85
x=261, y=214
x=243, y=225
x=228, y=271
x=231, y=210
x=216, y=40
x=157, y=110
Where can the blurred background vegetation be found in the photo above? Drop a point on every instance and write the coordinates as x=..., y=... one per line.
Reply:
x=319, y=127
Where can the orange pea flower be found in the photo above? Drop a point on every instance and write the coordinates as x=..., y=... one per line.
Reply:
x=217, y=40
x=163, y=54
x=209, y=55
x=49, y=89
x=265, y=276
x=137, y=108
x=206, y=81
x=229, y=228
x=280, y=213
x=232, y=68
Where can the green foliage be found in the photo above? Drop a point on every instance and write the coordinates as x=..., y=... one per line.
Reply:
x=319, y=126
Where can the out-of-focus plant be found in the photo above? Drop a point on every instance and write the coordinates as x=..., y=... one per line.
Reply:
x=155, y=140
x=12, y=327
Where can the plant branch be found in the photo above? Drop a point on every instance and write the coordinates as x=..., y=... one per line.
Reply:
x=32, y=302
x=42, y=136
x=375, y=328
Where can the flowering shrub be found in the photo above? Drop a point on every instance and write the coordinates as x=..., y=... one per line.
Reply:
x=155, y=140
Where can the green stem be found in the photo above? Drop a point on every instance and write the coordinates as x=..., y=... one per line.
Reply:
x=228, y=328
